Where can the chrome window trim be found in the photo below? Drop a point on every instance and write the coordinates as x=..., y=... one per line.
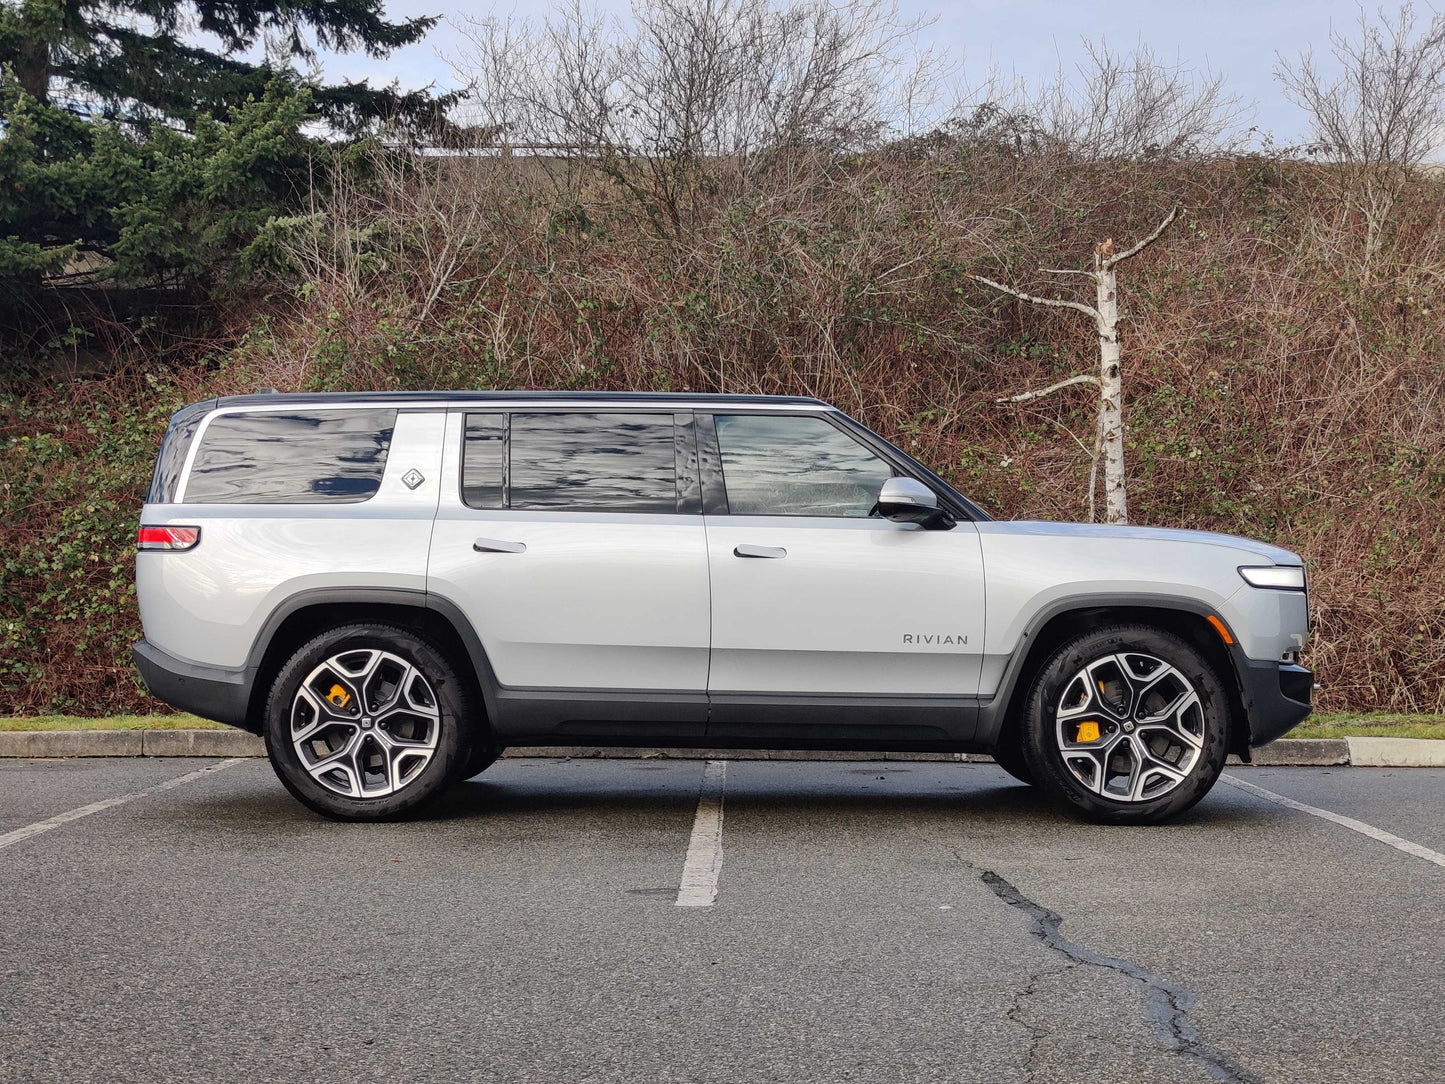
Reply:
x=448, y=405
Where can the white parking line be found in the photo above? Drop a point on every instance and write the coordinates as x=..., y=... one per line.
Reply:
x=9, y=839
x=704, y=850
x=1347, y=822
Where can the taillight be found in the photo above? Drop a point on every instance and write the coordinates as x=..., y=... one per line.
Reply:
x=167, y=538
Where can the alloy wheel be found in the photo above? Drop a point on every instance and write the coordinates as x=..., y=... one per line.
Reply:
x=365, y=723
x=1130, y=726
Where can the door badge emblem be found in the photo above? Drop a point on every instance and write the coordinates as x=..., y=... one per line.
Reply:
x=413, y=478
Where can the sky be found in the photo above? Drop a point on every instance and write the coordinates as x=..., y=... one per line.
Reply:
x=1236, y=38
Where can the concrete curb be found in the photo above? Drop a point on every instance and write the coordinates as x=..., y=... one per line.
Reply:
x=71, y=743
x=1397, y=752
x=202, y=743
x=1301, y=752
x=130, y=743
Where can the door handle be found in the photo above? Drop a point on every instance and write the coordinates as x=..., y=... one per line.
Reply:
x=496, y=545
x=746, y=550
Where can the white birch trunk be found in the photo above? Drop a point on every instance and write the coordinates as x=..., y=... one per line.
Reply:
x=1109, y=437
x=1111, y=395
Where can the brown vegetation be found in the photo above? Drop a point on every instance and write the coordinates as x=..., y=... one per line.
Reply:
x=1273, y=388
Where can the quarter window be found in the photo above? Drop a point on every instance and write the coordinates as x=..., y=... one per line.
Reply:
x=317, y=457
x=776, y=465
x=592, y=462
x=173, y=453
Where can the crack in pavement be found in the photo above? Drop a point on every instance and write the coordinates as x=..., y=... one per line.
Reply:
x=1036, y=1032
x=1167, y=1005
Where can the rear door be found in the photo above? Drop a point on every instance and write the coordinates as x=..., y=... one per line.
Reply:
x=573, y=541
x=827, y=622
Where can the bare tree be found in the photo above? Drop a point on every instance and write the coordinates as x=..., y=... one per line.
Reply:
x=1129, y=105
x=684, y=87
x=1109, y=429
x=1380, y=118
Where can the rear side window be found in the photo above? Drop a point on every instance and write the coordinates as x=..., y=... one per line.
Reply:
x=776, y=465
x=311, y=457
x=571, y=462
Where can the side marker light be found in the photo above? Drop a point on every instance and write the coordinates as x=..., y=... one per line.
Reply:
x=1220, y=628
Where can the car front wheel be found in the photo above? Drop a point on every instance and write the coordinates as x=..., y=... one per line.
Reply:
x=483, y=756
x=1128, y=725
x=368, y=722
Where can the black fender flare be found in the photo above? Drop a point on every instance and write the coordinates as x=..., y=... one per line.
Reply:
x=993, y=713
x=384, y=596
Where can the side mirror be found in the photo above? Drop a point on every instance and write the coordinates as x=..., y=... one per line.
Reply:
x=907, y=500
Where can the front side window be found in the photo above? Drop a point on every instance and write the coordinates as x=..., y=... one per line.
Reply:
x=775, y=465
x=592, y=463
x=311, y=457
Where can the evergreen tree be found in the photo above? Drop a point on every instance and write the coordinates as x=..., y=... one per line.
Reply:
x=85, y=200
x=141, y=60
x=130, y=152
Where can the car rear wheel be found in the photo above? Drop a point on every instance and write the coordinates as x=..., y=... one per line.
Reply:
x=1128, y=725
x=368, y=722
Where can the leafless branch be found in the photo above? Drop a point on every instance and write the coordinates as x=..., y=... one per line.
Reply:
x=1380, y=120
x=1051, y=302
x=656, y=101
x=1116, y=105
x=1384, y=108
x=1024, y=397
x=1140, y=246
x=1094, y=462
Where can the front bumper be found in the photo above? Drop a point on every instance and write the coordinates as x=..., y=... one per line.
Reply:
x=207, y=691
x=1276, y=697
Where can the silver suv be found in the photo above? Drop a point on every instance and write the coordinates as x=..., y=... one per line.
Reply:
x=391, y=588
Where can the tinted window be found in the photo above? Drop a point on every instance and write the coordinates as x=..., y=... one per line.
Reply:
x=781, y=466
x=321, y=456
x=482, y=458
x=592, y=462
x=172, y=458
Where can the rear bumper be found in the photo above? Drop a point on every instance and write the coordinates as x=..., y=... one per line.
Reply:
x=1276, y=697
x=207, y=691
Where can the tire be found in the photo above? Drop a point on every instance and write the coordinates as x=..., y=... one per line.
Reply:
x=1010, y=757
x=383, y=707
x=483, y=756
x=1160, y=728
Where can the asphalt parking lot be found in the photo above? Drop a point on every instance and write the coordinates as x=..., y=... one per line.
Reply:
x=872, y=922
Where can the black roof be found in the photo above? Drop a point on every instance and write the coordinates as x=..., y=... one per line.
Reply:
x=640, y=398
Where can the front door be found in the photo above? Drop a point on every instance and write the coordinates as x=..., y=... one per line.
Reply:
x=573, y=543
x=826, y=621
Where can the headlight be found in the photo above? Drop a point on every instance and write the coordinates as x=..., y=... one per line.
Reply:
x=1278, y=577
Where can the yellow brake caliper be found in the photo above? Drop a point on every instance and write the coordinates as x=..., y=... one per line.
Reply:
x=339, y=696
x=1087, y=732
